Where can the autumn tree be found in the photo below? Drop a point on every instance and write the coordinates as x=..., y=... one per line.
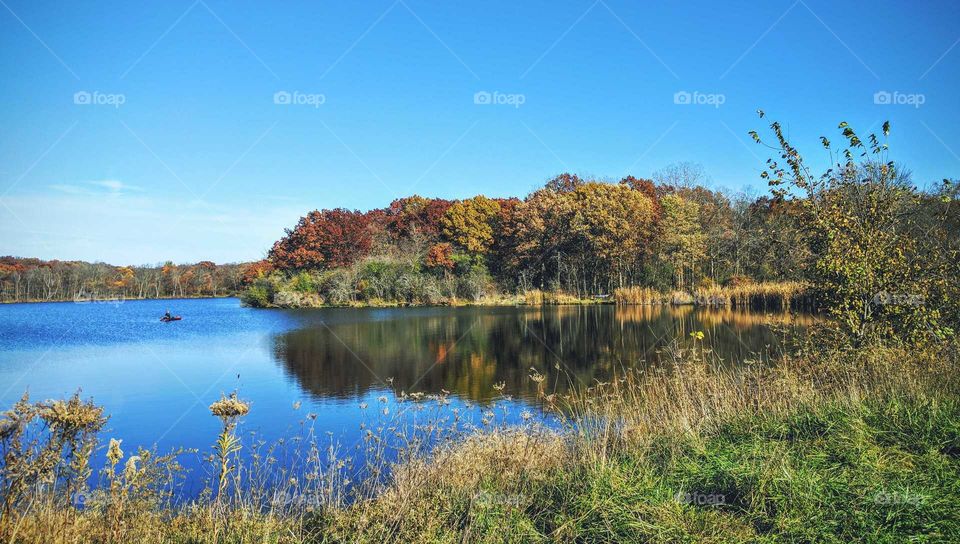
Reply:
x=649, y=189
x=34, y=279
x=470, y=223
x=614, y=224
x=564, y=183
x=416, y=213
x=124, y=277
x=875, y=271
x=540, y=237
x=255, y=270
x=323, y=239
x=715, y=216
x=440, y=257
x=682, y=240
x=584, y=239
x=503, y=257
x=772, y=241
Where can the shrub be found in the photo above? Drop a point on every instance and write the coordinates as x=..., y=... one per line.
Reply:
x=337, y=286
x=476, y=284
x=303, y=283
x=259, y=294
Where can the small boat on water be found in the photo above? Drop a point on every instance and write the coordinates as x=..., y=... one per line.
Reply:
x=169, y=318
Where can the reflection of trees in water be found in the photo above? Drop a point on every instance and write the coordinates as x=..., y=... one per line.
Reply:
x=469, y=350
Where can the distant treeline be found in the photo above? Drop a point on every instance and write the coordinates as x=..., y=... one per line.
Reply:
x=27, y=279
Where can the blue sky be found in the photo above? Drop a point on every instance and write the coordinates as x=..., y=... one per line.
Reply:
x=178, y=150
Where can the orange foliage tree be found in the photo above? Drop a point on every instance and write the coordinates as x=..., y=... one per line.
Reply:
x=440, y=256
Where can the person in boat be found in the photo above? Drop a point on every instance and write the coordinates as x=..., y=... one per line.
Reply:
x=167, y=315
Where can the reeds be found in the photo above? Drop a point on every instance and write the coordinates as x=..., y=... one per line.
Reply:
x=764, y=295
x=536, y=297
x=638, y=295
x=694, y=392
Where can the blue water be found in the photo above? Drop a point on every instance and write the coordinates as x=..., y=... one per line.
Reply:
x=156, y=380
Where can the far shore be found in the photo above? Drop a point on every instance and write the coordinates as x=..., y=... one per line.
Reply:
x=114, y=300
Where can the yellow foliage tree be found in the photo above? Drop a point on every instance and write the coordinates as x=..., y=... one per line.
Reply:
x=470, y=223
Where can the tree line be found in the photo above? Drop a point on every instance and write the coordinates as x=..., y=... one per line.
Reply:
x=858, y=234
x=580, y=236
x=29, y=279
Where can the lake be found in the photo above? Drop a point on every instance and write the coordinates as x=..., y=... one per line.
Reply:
x=343, y=366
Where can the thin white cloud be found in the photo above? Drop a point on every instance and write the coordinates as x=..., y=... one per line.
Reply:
x=115, y=186
x=110, y=187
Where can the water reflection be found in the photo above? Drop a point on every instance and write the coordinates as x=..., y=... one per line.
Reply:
x=468, y=350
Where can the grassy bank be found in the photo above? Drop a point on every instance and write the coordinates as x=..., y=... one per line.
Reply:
x=859, y=446
x=835, y=446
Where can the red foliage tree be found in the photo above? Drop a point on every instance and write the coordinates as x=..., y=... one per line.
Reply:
x=416, y=213
x=440, y=256
x=323, y=239
x=255, y=270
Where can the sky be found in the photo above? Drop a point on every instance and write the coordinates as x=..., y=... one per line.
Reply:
x=186, y=130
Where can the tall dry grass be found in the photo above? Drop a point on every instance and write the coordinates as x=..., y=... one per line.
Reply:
x=695, y=392
x=764, y=295
x=639, y=295
x=536, y=297
x=538, y=474
x=462, y=482
x=772, y=295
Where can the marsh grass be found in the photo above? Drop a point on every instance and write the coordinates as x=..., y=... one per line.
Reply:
x=763, y=295
x=824, y=445
x=536, y=297
x=783, y=295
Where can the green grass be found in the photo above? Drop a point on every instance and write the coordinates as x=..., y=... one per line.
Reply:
x=878, y=471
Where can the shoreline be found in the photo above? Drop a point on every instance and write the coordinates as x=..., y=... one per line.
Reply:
x=116, y=300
